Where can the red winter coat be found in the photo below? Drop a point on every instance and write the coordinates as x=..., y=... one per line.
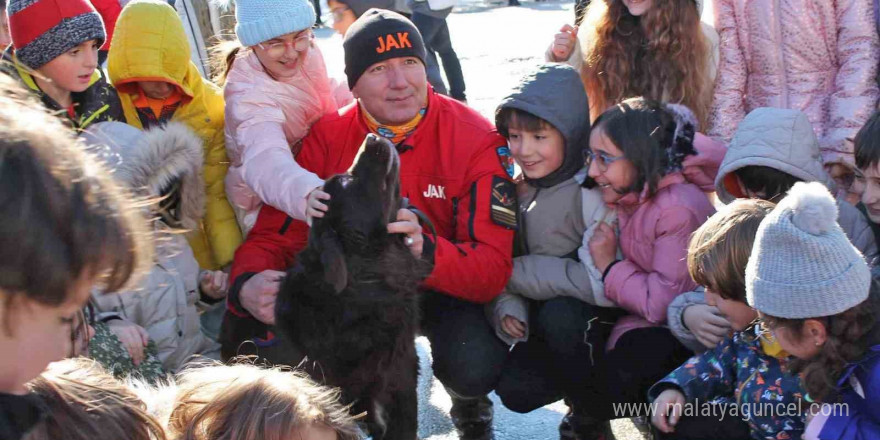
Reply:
x=450, y=170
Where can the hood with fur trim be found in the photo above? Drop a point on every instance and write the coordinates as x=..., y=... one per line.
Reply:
x=148, y=161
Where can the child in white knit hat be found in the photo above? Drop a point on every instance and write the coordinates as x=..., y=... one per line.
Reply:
x=811, y=288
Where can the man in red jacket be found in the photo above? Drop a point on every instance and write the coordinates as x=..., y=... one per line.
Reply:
x=450, y=170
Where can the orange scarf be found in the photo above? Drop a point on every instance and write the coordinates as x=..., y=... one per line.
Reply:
x=396, y=133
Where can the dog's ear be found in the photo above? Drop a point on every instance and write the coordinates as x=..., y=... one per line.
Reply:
x=333, y=260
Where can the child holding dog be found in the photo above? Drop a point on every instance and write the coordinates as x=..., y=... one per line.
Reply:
x=813, y=291
x=555, y=294
x=67, y=229
x=748, y=369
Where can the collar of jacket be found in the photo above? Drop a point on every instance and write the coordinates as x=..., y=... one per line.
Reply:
x=19, y=414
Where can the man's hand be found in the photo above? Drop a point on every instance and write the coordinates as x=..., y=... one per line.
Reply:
x=314, y=207
x=669, y=405
x=408, y=223
x=706, y=323
x=133, y=337
x=603, y=246
x=563, y=43
x=259, y=293
x=513, y=327
x=214, y=283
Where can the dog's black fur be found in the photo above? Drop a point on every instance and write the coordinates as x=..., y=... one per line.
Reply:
x=350, y=304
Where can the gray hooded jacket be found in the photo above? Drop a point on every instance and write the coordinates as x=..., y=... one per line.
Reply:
x=784, y=140
x=557, y=216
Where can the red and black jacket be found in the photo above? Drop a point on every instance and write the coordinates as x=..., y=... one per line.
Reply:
x=450, y=170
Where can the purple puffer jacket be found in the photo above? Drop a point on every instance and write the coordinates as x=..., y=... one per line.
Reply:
x=816, y=56
x=654, y=234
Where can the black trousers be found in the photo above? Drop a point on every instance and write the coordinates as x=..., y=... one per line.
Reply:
x=566, y=343
x=468, y=357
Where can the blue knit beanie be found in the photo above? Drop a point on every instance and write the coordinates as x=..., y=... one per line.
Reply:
x=263, y=20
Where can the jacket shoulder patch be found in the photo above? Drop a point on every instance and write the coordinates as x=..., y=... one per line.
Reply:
x=503, y=202
x=506, y=160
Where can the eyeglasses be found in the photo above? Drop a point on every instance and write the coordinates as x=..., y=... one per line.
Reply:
x=602, y=159
x=761, y=330
x=338, y=13
x=276, y=49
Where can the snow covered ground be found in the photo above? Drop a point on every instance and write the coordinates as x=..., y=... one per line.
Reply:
x=496, y=45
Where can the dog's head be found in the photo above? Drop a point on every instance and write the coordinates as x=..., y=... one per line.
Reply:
x=363, y=201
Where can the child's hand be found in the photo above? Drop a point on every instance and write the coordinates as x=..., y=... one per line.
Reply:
x=133, y=337
x=603, y=246
x=563, y=43
x=314, y=207
x=214, y=283
x=513, y=327
x=668, y=407
x=707, y=324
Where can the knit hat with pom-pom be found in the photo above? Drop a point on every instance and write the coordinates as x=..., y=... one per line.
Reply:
x=802, y=264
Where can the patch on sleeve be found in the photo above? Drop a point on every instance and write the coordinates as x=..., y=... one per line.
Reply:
x=506, y=160
x=503, y=202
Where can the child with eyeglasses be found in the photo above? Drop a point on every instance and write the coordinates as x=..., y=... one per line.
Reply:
x=276, y=86
x=814, y=292
x=650, y=164
x=157, y=84
x=746, y=370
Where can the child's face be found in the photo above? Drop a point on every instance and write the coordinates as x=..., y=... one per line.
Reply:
x=869, y=183
x=538, y=153
x=611, y=170
x=156, y=89
x=280, y=55
x=34, y=334
x=72, y=71
x=5, y=38
x=805, y=344
x=343, y=16
x=738, y=313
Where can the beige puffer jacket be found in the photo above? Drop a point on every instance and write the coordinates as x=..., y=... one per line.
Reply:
x=165, y=302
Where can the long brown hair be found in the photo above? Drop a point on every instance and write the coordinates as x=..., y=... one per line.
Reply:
x=662, y=55
x=85, y=402
x=847, y=341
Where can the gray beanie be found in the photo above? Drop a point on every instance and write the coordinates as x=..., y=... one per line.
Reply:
x=802, y=264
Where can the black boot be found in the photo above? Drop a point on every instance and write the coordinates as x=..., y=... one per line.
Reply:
x=472, y=417
x=566, y=431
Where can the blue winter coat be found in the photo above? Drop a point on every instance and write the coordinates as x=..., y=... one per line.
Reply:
x=739, y=372
x=859, y=419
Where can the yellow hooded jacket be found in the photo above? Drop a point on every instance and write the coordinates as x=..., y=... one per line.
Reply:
x=150, y=44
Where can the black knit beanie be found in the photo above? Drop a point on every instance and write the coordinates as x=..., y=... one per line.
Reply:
x=376, y=36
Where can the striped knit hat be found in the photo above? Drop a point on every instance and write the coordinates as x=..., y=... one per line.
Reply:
x=42, y=30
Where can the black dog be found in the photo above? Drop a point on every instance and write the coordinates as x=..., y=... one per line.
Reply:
x=350, y=305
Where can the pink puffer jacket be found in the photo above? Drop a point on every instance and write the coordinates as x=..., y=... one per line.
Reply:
x=265, y=120
x=816, y=56
x=654, y=234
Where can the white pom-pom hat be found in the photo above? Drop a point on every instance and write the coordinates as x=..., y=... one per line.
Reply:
x=802, y=264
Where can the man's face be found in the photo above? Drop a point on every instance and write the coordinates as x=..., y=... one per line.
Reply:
x=393, y=91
